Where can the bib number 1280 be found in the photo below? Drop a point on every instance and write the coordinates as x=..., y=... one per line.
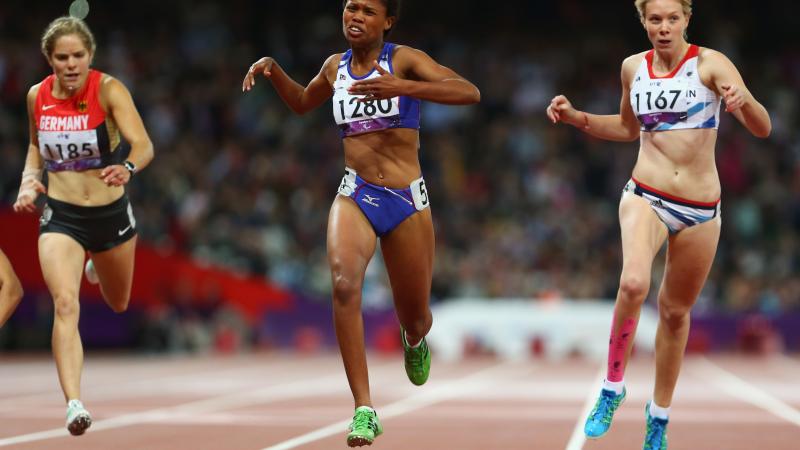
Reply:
x=364, y=109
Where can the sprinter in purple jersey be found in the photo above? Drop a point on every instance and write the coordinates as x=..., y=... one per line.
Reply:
x=376, y=88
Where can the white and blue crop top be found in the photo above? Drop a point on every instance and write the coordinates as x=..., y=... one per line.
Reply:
x=354, y=117
x=676, y=101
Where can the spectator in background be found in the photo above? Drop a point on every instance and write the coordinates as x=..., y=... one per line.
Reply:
x=670, y=100
x=516, y=215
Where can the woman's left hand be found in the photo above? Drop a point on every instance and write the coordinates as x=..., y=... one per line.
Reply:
x=378, y=88
x=733, y=97
x=116, y=175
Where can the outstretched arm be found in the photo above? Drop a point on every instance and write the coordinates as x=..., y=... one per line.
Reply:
x=421, y=77
x=728, y=83
x=614, y=127
x=298, y=98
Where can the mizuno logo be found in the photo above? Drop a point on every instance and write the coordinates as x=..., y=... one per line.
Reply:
x=46, y=107
x=124, y=230
x=370, y=200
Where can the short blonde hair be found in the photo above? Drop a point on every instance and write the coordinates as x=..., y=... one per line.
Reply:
x=64, y=26
x=641, y=4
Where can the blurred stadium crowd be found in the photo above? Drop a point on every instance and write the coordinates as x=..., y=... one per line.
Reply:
x=522, y=208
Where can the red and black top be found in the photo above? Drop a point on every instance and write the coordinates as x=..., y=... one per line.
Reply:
x=75, y=133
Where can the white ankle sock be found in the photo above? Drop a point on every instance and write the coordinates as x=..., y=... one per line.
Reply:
x=409, y=343
x=658, y=411
x=616, y=386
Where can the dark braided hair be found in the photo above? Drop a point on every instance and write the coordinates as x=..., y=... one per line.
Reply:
x=392, y=10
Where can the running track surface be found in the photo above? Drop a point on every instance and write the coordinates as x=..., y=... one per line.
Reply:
x=286, y=401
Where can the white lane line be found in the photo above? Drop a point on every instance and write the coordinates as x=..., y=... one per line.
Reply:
x=578, y=438
x=118, y=390
x=747, y=392
x=453, y=389
x=296, y=389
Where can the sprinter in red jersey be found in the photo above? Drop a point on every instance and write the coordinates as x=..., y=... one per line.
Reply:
x=77, y=117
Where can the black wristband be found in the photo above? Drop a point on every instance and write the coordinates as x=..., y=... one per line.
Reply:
x=130, y=166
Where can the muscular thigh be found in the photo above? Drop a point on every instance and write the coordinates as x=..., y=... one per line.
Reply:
x=690, y=255
x=351, y=239
x=643, y=234
x=408, y=254
x=61, y=258
x=114, y=267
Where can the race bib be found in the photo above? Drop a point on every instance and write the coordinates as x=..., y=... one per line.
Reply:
x=348, y=108
x=59, y=147
x=661, y=100
x=348, y=184
x=419, y=192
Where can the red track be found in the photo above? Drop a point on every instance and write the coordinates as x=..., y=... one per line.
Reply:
x=284, y=401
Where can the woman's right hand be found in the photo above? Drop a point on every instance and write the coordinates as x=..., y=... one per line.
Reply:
x=29, y=190
x=263, y=66
x=561, y=110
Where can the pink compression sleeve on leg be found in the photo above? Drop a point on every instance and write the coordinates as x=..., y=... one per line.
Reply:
x=617, y=348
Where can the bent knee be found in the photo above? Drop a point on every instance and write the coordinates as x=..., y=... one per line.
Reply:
x=16, y=293
x=66, y=304
x=633, y=288
x=120, y=305
x=673, y=314
x=346, y=289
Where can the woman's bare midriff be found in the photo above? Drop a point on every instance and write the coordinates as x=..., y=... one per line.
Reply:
x=680, y=163
x=82, y=188
x=386, y=158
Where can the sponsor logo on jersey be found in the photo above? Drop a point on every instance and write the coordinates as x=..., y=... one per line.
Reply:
x=47, y=214
x=370, y=200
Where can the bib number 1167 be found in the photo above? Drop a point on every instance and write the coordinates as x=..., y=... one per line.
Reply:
x=660, y=102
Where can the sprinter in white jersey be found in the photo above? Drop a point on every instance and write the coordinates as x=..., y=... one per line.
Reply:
x=670, y=101
x=376, y=88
